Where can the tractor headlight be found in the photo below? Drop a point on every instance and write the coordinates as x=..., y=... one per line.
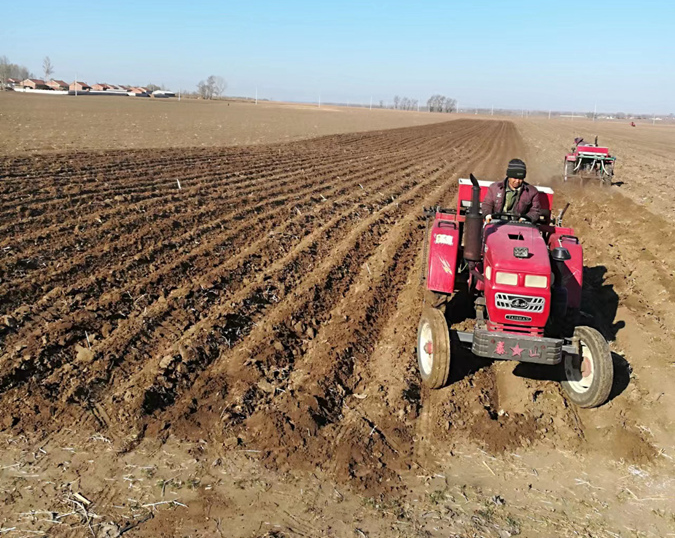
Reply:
x=536, y=281
x=510, y=279
x=488, y=272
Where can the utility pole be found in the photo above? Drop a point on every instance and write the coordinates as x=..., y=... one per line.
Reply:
x=319, y=99
x=179, y=94
x=75, y=84
x=595, y=111
x=492, y=113
x=371, y=103
x=549, y=114
x=256, y=95
x=654, y=119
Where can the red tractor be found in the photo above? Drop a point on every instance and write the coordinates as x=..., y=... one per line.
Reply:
x=524, y=281
x=589, y=160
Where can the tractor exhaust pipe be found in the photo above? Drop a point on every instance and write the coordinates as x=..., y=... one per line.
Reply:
x=473, y=226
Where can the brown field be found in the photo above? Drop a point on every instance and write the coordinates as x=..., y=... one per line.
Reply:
x=221, y=342
x=49, y=123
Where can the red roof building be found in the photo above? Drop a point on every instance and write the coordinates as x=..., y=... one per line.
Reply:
x=79, y=87
x=57, y=85
x=35, y=84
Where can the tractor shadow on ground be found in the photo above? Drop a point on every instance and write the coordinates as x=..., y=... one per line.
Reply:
x=460, y=313
x=599, y=307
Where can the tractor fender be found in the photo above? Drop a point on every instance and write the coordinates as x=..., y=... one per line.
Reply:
x=573, y=272
x=443, y=251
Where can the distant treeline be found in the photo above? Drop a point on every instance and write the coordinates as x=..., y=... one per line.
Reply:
x=9, y=70
x=435, y=103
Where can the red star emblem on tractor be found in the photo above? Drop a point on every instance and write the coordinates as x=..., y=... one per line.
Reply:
x=517, y=351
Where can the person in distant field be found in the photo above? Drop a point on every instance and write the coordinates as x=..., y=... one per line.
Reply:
x=513, y=195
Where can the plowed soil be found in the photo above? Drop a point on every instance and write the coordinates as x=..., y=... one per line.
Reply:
x=222, y=342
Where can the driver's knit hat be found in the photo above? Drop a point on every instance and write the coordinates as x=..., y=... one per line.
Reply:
x=516, y=169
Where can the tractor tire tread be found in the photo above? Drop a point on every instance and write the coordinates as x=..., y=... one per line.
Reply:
x=603, y=370
x=440, y=370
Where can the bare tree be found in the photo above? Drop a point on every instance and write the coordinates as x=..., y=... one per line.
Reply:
x=441, y=103
x=4, y=69
x=204, y=90
x=10, y=70
x=218, y=84
x=47, y=67
x=449, y=105
x=213, y=87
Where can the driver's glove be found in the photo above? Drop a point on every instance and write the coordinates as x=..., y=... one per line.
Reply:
x=488, y=219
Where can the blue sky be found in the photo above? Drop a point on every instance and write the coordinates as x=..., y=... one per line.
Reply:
x=521, y=54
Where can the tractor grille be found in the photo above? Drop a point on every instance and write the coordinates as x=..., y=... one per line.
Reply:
x=522, y=303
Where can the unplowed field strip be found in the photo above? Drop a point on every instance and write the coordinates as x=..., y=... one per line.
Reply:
x=129, y=297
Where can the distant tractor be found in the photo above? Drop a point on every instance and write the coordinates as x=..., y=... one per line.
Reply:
x=524, y=281
x=589, y=160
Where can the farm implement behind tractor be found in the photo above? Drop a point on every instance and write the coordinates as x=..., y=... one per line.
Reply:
x=524, y=281
x=589, y=160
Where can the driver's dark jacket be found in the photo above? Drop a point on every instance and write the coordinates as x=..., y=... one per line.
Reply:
x=528, y=205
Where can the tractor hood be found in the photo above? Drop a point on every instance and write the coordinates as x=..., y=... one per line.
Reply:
x=516, y=248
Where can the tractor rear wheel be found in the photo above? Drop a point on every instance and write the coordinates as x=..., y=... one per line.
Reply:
x=588, y=376
x=433, y=348
x=568, y=170
x=607, y=174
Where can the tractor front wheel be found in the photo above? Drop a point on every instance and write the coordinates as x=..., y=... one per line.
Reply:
x=588, y=375
x=433, y=348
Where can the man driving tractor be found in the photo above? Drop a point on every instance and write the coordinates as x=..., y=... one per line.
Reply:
x=513, y=196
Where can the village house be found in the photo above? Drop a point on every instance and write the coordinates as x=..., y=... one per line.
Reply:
x=35, y=84
x=139, y=91
x=100, y=87
x=79, y=87
x=58, y=85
